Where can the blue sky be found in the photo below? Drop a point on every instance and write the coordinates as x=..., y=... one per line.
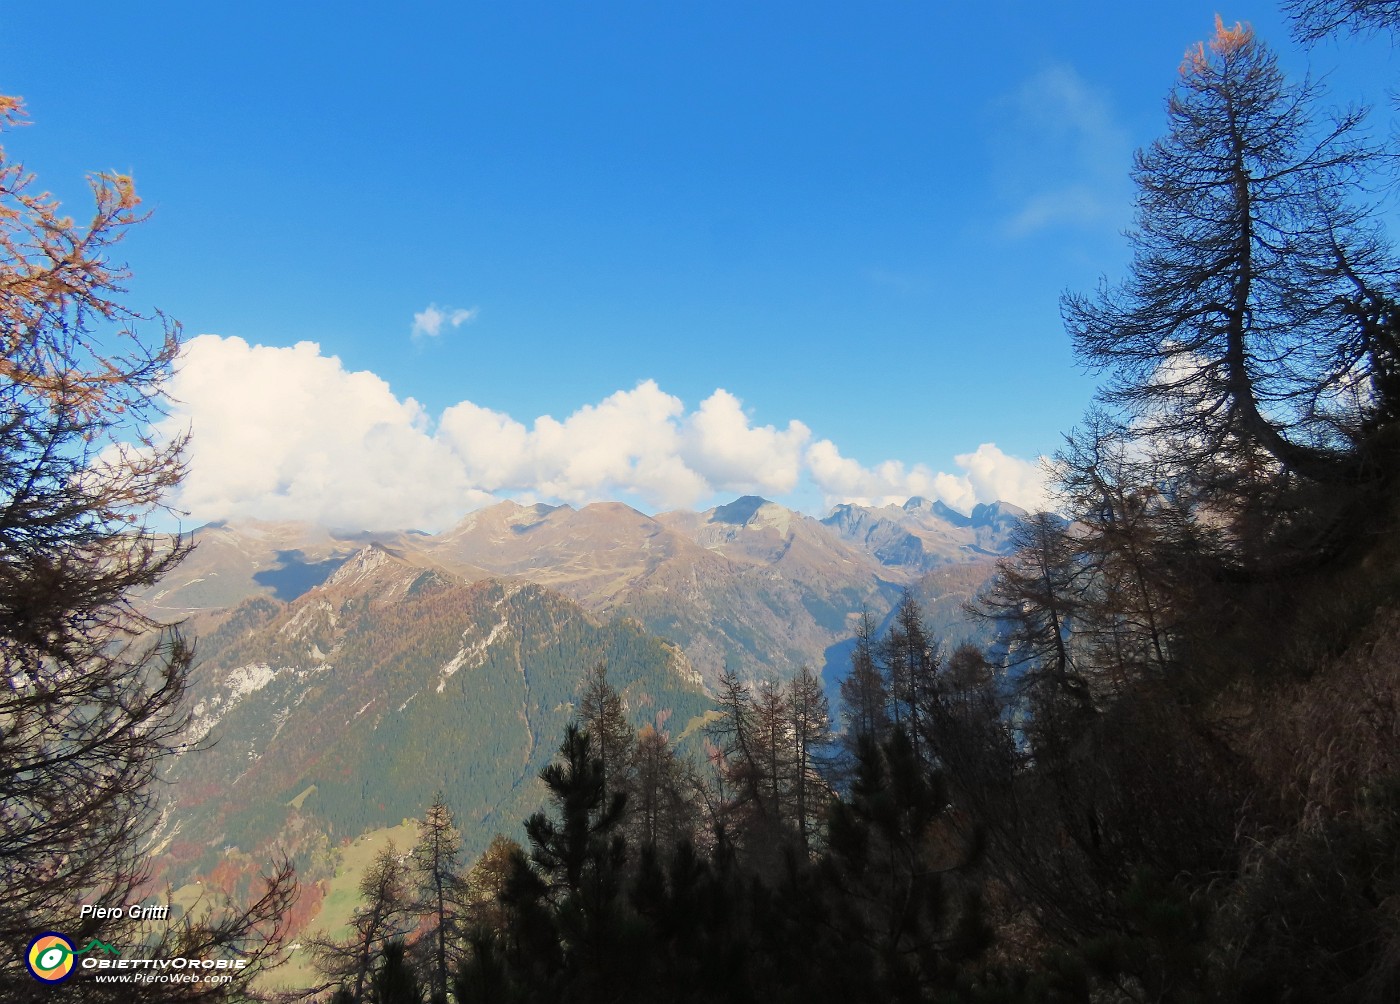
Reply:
x=811, y=250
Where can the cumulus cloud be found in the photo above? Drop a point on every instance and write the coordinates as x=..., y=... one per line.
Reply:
x=720, y=445
x=428, y=323
x=627, y=443
x=985, y=475
x=290, y=433
x=991, y=474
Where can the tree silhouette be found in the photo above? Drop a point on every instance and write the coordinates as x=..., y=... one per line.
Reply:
x=1252, y=347
x=439, y=888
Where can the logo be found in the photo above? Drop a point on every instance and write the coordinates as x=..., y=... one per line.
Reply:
x=50, y=956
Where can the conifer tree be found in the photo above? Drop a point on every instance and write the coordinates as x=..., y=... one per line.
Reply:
x=91, y=707
x=573, y=881
x=864, y=695
x=396, y=982
x=739, y=756
x=662, y=815
x=1253, y=348
x=1316, y=19
x=439, y=889
x=910, y=665
x=91, y=703
x=895, y=899
x=775, y=751
x=603, y=715
x=810, y=724
x=485, y=885
x=382, y=916
x=566, y=849
x=1036, y=598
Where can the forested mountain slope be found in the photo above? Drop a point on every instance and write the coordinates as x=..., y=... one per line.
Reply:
x=347, y=708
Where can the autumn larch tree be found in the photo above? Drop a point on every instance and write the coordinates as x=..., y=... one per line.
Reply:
x=809, y=717
x=1253, y=347
x=91, y=698
x=439, y=889
x=774, y=753
x=864, y=695
x=737, y=757
x=663, y=813
x=602, y=713
x=1316, y=19
x=910, y=663
x=381, y=917
x=1035, y=600
x=90, y=703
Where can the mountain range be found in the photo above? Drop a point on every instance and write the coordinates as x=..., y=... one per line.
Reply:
x=751, y=584
x=344, y=678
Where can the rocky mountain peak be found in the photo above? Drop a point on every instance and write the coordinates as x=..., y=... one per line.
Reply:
x=991, y=513
x=361, y=565
x=740, y=511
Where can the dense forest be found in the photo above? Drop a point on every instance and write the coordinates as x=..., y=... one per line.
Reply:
x=1175, y=777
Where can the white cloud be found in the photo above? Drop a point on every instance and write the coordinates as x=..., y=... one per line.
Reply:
x=1063, y=158
x=720, y=445
x=289, y=433
x=427, y=323
x=992, y=474
x=627, y=443
x=986, y=475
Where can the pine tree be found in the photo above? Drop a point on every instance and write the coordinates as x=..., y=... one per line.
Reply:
x=396, y=982
x=574, y=882
x=579, y=840
x=895, y=900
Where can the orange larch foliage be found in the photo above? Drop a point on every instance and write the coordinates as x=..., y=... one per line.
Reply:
x=1226, y=43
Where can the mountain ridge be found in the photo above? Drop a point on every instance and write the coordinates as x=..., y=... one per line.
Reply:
x=748, y=585
x=391, y=679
